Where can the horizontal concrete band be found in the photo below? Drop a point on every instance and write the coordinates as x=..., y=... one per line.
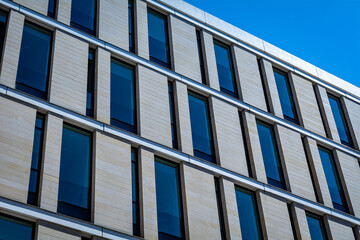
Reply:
x=172, y=154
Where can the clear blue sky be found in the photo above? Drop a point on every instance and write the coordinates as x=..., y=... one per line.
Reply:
x=325, y=33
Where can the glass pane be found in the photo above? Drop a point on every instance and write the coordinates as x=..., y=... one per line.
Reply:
x=200, y=124
x=83, y=15
x=11, y=229
x=3, y=18
x=158, y=37
x=168, y=199
x=51, y=8
x=249, y=220
x=33, y=181
x=74, y=184
x=316, y=227
x=285, y=96
x=225, y=68
x=34, y=58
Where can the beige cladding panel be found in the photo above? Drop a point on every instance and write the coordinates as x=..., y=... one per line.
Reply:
x=16, y=144
x=46, y=231
x=114, y=23
x=229, y=137
x=296, y=163
x=11, y=52
x=309, y=109
x=210, y=60
x=40, y=6
x=142, y=45
x=69, y=74
x=201, y=204
x=186, y=57
x=340, y=230
x=64, y=11
x=250, y=80
x=353, y=111
x=154, y=106
x=113, y=191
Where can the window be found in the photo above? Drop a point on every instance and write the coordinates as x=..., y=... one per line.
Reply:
x=13, y=228
x=52, y=8
x=264, y=85
x=75, y=173
x=220, y=208
x=316, y=227
x=270, y=154
x=34, y=61
x=168, y=200
x=248, y=214
x=90, y=84
x=332, y=179
x=158, y=38
x=3, y=20
x=131, y=26
x=135, y=192
x=225, y=69
x=286, y=98
x=123, y=105
x=172, y=115
x=83, y=15
x=36, y=161
x=201, y=56
x=340, y=120
x=201, y=127
x=245, y=142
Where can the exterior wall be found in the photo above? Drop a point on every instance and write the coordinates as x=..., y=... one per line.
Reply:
x=229, y=137
x=69, y=74
x=154, y=106
x=186, y=57
x=200, y=200
x=113, y=185
x=16, y=143
x=51, y=164
x=353, y=110
x=64, y=11
x=113, y=23
x=340, y=230
x=48, y=231
x=308, y=105
x=210, y=60
x=12, y=44
x=250, y=80
x=40, y=6
x=142, y=46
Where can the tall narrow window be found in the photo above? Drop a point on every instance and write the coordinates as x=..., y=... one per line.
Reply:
x=316, y=227
x=201, y=56
x=52, y=8
x=123, y=105
x=270, y=154
x=36, y=161
x=90, y=84
x=135, y=192
x=131, y=26
x=3, y=20
x=13, y=228
x=264, y=85
x=332, y=179
x=225, y=69
x=340, y=120
x=158, y=38
x=168, y=201
x=83, y=15
x=201, y=127
x=75, y=173
x=248, y=214
x=220, y=208
x=286, y=98
x=34, y=61
x=172, y=115
x=246, y=146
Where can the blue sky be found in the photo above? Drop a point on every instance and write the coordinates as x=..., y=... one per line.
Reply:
x=325, y=33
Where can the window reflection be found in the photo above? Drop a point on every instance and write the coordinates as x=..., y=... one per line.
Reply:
x=13, y=228
x=83, y=15
x=316, y=227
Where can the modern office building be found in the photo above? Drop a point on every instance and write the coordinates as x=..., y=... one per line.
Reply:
x=152, y=119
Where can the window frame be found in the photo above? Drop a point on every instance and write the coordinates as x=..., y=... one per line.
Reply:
x=201, y=54
x=6, y=13
x=321, y=222
x=91, y=62
x=173, y=115
x=136, y=179
x=54, y=14
x=132, y=40
x=85, y=29
x=17, y=219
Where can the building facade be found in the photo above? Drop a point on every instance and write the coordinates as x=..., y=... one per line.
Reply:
x=152, y=119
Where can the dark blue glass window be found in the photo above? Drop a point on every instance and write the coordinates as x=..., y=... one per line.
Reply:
x=36, y=161
x=90, y=84
x=201, y=127
x=172, y=115
x=332, y=179
x=220, y=208
x=52, y=8
x=225, y=68
x=270, y=154
x=34, y=62
x=201, y=56
x=123, y=105
x=13, y=228
x=75, y=173
x=316, y=227
x=168, y=201
x=158, y=38
x=83, y=15
x=131, y=26
x=340, y=121
x=248, y=214
x=286, y=98
x=3, y=20
x=135, y=192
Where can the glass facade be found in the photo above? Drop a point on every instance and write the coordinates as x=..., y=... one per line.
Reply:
x=201, y=56
x=75, y=173
x=131, y=26
x=34, y=62
x=316, y=227
x=13, y=228
x=83, y=15
x=90, y=84
x=172, y=115
x=201, y=127
x=135, y=192
x=122, y=94
x=3, y=20
x=52, y=8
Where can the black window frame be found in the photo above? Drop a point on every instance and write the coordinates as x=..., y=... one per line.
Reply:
x=91, y=82
x=85, y=29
